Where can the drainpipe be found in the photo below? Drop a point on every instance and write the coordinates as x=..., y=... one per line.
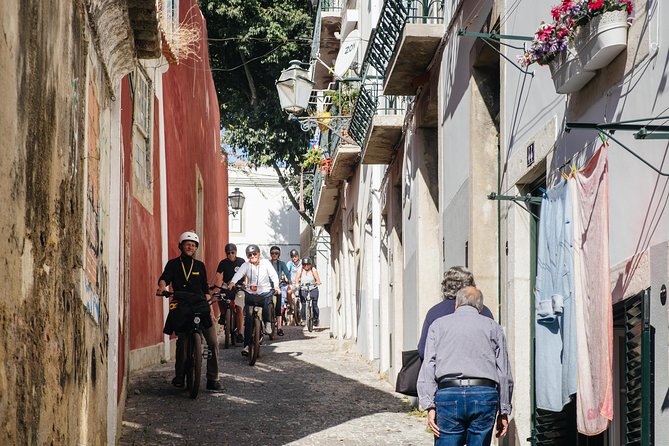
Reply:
x=162, y=172
x=499, y=232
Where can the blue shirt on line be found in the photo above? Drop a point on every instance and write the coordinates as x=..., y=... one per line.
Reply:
x=443, y=308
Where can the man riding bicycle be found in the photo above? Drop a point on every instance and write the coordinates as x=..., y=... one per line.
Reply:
x=283, y=273
x=187, y=274
x=293, y=267
x=226, y=269
x=261, y=284
x=308, y=275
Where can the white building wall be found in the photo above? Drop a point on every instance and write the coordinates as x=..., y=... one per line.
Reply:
x=632, y=87
x=268, y=217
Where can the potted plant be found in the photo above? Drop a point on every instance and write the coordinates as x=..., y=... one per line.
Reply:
x=552, y=46
x=601, y=31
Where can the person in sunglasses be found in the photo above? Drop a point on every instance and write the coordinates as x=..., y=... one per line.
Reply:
x=226, y=269
x=284, y=275
x=261, y=284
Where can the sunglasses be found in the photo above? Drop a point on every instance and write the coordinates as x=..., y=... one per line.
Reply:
x=275, y=252
x=253, y=254
x=230, y=252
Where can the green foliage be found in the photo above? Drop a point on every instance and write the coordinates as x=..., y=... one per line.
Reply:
x=343, y=99
x=313, y=157
x=251, y=41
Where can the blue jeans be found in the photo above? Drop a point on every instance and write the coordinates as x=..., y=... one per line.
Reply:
x=257, y=299
x=314, y=303
x=466, y=415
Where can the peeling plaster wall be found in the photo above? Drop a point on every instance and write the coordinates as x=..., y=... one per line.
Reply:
x=57, y=146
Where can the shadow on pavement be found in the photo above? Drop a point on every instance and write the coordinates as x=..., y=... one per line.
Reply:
x=288, y=395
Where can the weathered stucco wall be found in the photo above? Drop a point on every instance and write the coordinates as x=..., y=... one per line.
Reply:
x=52, y=353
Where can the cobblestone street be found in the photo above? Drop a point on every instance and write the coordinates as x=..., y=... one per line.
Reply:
x=302, y=391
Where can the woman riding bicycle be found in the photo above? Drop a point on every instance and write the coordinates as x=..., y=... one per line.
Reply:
x=188, y=274
x=308, y=275
x=261, y=284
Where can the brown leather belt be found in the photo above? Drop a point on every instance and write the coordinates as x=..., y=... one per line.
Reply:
x=467, y=382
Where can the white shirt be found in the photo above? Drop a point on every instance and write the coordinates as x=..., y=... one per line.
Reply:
x=262, y=275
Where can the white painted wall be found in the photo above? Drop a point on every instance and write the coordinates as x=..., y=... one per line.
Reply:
x=268, y=217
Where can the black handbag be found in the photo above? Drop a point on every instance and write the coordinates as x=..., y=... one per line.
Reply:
x=408, y=375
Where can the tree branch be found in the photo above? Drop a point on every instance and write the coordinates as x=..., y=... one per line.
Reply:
x=249, y=78
x=291, y=197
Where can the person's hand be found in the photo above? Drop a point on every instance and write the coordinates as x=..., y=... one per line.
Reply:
x=159, y=291
x=502, y=425
x=432, y=421
x=277, y=290
x=231, y=285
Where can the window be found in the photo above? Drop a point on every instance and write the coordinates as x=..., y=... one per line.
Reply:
x=171, y=17
x=141, y=137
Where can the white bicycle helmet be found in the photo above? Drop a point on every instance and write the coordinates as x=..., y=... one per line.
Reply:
x=189, y=236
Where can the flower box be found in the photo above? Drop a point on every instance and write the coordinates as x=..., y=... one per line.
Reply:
x=599, y=41
x=567, y=73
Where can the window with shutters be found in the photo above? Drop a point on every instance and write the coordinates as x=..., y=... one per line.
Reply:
x=142, y=141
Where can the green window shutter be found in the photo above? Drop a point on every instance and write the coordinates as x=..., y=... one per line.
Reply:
x=638, y=371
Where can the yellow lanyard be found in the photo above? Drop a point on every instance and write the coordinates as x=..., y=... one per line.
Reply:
x=187, y=276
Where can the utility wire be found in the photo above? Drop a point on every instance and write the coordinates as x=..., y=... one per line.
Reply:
x=250, y=60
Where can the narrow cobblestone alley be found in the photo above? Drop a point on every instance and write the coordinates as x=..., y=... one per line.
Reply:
x=302, y=391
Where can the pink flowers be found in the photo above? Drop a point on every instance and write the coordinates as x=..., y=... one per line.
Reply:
x=551, y=39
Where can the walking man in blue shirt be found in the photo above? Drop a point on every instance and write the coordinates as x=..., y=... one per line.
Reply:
x=465, y=380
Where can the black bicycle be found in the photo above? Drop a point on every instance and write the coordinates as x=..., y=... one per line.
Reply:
x=194, y=307
x=228, y=314
x=309, y=311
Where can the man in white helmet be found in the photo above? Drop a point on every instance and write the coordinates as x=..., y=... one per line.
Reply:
x=185, y=273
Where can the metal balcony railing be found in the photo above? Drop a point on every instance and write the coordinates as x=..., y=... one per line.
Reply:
x=382, y=45
x=371, y=103
x=331, y=5
x=394, y=15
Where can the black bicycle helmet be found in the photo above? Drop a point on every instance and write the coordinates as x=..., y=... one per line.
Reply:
x=306, y=261
x=230, y=247
x=294, y=253
x=252, y=249
x=275, y=248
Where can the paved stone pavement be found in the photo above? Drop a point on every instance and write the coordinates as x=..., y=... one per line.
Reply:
x=302, y=391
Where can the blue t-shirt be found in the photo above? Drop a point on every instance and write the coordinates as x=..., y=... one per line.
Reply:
x=443, y=308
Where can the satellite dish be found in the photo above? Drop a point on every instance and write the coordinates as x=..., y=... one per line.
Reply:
x=347, y=53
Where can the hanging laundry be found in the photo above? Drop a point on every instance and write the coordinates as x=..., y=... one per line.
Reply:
x=594, y=314
x=555, y=333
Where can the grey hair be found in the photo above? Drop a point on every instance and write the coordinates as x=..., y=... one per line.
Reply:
x=455, y=279
x=471, y=296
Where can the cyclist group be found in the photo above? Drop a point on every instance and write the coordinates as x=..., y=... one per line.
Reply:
x=262, y=280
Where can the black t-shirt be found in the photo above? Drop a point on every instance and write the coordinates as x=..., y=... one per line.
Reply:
x=186, y=274
x=229, y=268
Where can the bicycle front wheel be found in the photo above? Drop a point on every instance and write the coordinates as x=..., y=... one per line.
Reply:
x=228, y=327
x=310, y=317
x=254, y=346
x=195, y=371
x=272, y=318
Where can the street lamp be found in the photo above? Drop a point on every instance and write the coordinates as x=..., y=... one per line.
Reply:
x=236, y=201
x=294, y=87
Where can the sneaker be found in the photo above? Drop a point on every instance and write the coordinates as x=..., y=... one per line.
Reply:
x=245, y=351
x=279, y=332
x=315, y=322
x=213, y=385
x=240, y=338
x=178, y=381
x=268, y=328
